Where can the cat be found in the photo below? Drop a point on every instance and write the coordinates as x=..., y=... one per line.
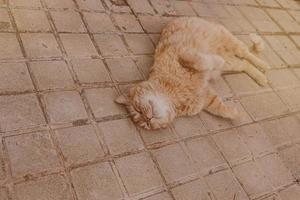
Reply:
x=190, y=54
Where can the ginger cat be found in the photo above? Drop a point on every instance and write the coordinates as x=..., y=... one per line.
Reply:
x=190, y=53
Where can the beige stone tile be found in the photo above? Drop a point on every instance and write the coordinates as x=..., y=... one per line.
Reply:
x=90, y=5
x=157, y=137
x=154, y=24
x=139, y=43
x=183, y=8
x=286, y=49
x=192, y=191
x=27, y=3
x=14, y=77
x=291, y=159
x=163, y=7
x=99, y=22
x=138, y=173
x=264, y=105
x=257, y=141
x=172, y=168
x=242, y=2
x=243, y=84
x=31, y=20
x=5, y=23
x=123, y=69
x=289, y=4
x=4, y=193
x=221, y=87
x=145, y=62
x=252, y=179
x=96, y=181
x=282, y=78
x=260, y=19
x=127, y=23
x=269, y=3
x=121, y=136
x=60, y=3
x=214, y=123
x=79, y=144
x=161, y=196
x=232, y=146
x=20, y=111
x=296, y=39
x=297, y=72
x=68, y=21
x=90, y=71
x=291, y=97
x=189, y=126
x=293, y=192
x=225, y=186
x=244, y=117
x=284, y=20
x=110, y=45
x=141, y=6
x=206, y=155
x=49, y=187
x=31, y=153
x=78, y=45
x=65, y=106
x=10, y=46
x=102, y=102
x=51, y=75
x=40, y=45
x=274, y=169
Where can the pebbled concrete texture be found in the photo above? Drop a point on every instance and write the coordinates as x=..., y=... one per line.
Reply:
x=62, y=63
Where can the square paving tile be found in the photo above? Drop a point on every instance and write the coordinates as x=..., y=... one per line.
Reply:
x=157, y=137
x=60, y=3
x=4, y=193
x=31, y=20
x=111, y=45
x=20, y=111
x=163, y=7
x=15, y=78
x=291, y=97
x=10, y=46
x=90, y=71
x=161, y=196
x=27, y=3
x=79, y=144
x=68, y=21
x=96, y=181
x=264, y=105
x=99, y=22
x=123, y=69
x=64, y=106
x=139, y=43
x=260, y=19
x=121, y=136
x=269, y=3
x=183, y=8
x=5, y=23
x=102, y=102
x=141, y=6
x=284, y=20
x=290, y=193
x=154, y=24
x=249, y=175
x=192, y=191
x=232, y=146
x=145, y=62
x=189, y=126
x=138, y=173
x=214, y=123
x=90, y=5
x=274, y=169
x=31, y=153
x=290, y=158
x=52, y=75
x=205, y=154
x=78, y=45
x=127, y=23
x=49, y=187
x=174, y=169
x=40, y=45
x=282, y=78
x=225, y=186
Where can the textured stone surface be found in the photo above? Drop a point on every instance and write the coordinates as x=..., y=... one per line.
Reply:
x=64, y=62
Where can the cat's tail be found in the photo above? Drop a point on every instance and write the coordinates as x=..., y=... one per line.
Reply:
x=258, y=43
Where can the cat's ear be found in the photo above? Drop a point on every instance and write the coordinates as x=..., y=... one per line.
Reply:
x=212, y=61
x=122, y=99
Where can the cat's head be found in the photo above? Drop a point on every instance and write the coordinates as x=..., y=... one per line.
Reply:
x=148, y=106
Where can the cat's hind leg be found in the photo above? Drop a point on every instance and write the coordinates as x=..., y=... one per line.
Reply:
x=215, y=105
